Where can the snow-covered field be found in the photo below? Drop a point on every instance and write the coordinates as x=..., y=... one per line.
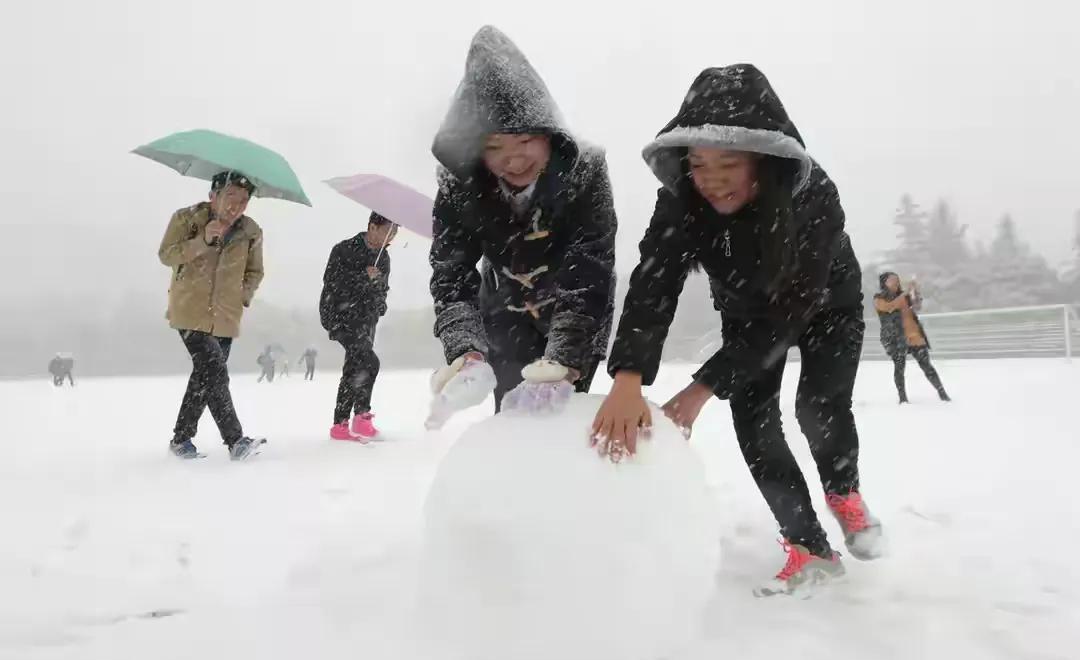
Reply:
x=110, y=549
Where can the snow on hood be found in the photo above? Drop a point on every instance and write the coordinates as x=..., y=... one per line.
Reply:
x=500, y=93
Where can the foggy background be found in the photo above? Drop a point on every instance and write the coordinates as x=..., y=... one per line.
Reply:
x=974, y=103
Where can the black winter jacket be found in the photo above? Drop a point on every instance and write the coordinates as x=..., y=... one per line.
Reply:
x=351, y=301
x=552, y=266
x=735, y=108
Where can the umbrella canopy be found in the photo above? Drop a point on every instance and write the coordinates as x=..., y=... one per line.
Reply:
x=203, y=154
x=393, y=200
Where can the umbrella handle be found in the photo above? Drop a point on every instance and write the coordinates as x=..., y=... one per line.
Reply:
x=382, y=249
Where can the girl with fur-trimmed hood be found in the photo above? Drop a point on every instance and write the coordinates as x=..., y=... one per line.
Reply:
x=742, y=199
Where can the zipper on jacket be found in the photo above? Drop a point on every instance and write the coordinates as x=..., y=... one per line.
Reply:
x=213, y=286
x=727, y=242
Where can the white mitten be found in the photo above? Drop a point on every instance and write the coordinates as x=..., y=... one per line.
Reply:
x=461, y=384
x=545, y=389
x=544, y=371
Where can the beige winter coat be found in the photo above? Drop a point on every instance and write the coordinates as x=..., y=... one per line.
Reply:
x=211, y=285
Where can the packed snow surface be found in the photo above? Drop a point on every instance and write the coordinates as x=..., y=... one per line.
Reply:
x=110, y=548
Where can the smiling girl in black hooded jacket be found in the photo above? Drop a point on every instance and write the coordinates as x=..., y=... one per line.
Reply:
x=743, y=200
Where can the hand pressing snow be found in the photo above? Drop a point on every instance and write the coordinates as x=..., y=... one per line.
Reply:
x=462, y=384
x=684, y=407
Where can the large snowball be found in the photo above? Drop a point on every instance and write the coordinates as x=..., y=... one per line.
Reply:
x=537, y=549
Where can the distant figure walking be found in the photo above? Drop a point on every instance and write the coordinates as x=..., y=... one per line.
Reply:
x=61, y=367
x=285, y=367
x=266, y=362
x=903, y=333
x=308, y=360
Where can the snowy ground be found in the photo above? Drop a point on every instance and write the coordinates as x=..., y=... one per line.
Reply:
x=110, y=549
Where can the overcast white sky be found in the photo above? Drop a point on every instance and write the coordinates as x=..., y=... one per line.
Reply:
x=974, y=101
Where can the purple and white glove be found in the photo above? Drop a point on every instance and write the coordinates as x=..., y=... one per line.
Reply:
x=545, y=389
x=462, y=384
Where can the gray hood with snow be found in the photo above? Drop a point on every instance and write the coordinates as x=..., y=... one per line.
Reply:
x=499, y=93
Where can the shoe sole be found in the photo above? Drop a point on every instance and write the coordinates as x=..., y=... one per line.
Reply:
x=355, y=439
x=877, y=552
x=189, y=457
x=815, y=584
x=253, y=450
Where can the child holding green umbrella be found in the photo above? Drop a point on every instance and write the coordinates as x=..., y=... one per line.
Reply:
x=215, y=253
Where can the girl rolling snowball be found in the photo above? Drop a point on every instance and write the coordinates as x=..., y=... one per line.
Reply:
x=531, y=205
x=742, y=199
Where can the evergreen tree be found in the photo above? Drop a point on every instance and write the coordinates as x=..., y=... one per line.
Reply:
x=947, y=280
x=1014, y=275
x=911, y=254
x=1071, y=280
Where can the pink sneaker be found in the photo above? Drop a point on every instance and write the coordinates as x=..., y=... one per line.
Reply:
x=341, y=432
x=363, y=426
x=802, y=574
x=862, y=531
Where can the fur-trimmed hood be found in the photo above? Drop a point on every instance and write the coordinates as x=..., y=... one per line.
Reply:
x=731, y=107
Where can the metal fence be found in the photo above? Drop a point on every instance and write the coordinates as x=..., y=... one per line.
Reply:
x=1051, y=331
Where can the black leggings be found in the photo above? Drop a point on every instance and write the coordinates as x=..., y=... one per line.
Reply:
x=208, y=386
x=357, y=376
x=922, y=356
x=830, y=349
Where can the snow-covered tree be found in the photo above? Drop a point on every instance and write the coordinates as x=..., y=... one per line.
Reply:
x=947, y=280
x=1014, y=275
x=911, y=254
x=1071, y=280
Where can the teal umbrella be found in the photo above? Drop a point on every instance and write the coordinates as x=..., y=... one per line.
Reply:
x=203, y=154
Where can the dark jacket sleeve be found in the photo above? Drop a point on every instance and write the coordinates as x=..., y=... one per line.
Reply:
x=455, y=280
x=583, y=284
x=330, y=298
x=378, y=289
x=654, y=291
x=821, y=220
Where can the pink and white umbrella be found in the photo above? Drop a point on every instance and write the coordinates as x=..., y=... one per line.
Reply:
x=393, y=200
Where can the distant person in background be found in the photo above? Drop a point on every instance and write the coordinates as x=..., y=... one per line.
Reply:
x=266, y=363
x=285, y=367
x=216, y=256
x=903, y=333
x=308, y=360
x=61, y=367
x=353, y=299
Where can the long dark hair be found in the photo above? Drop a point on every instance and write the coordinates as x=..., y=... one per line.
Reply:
x=779, y=238
x=774, y=209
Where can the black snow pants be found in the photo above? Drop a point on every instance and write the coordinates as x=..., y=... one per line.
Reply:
x=208, y=386
x=922, y=357
x=830, y=349
x=358, y=375
x=515, y=341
